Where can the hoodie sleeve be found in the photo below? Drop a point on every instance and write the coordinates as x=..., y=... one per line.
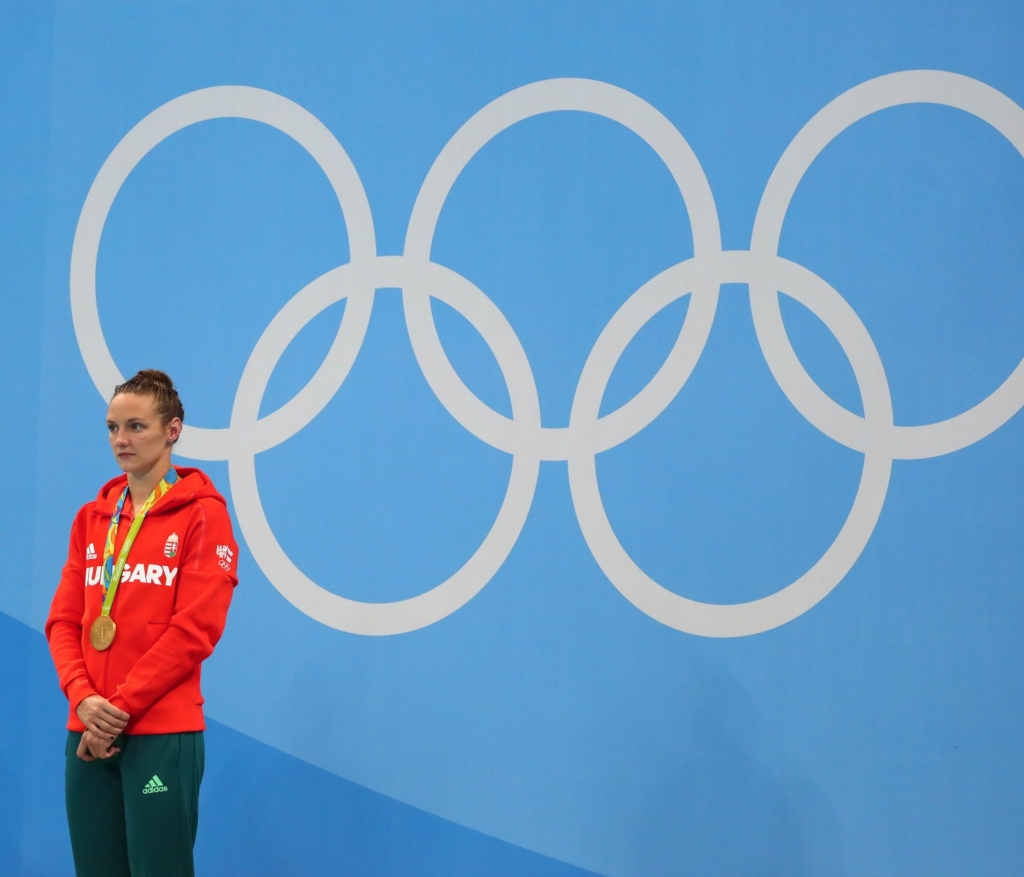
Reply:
x=206, y=581
x=64, y=623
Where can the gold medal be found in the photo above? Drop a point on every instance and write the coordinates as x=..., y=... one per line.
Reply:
x=102, y=632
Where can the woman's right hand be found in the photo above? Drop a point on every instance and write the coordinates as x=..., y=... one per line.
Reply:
x=101, y=717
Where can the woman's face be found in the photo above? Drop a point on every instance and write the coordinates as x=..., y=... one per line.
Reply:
x=137, y=437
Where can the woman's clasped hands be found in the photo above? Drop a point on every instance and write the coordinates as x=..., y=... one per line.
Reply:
x=103, y=722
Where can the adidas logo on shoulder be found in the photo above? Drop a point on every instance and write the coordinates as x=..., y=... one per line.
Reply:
x=153, y=786
x=90, y=551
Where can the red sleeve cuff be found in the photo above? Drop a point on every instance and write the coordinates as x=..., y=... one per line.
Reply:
x=119, y=701
x=78, y=689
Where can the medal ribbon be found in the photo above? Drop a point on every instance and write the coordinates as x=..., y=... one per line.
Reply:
x=112, y=572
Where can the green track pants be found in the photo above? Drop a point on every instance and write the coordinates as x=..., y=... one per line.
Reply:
x=135, y=814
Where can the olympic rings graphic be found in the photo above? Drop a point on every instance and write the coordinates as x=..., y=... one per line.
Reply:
x=765, y=272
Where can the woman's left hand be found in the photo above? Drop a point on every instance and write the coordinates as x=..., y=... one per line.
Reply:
x=93, y=746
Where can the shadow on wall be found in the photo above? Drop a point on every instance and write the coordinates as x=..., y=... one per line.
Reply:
x=33, y=827
x=262, y=812
x=732, y=811
x=265, y=812
x=14, y=653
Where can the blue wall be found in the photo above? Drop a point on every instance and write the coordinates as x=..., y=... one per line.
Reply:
x=562, y=700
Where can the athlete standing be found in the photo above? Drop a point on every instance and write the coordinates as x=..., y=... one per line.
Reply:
x=142, y=601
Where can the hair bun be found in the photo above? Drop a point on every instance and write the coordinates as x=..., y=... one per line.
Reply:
x=157, y=384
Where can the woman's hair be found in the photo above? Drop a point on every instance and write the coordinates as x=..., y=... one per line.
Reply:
x=157, y=384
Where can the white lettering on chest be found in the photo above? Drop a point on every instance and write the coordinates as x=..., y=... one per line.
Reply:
x=93, y=574
x=144, y=573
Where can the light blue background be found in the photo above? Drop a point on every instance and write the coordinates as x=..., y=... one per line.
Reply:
x=880, y=733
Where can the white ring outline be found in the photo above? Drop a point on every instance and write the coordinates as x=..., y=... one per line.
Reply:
x=219, y=102
x=334, y=610
x=891, y=90
x=523, y=436
x=639, y=117
x=791, y=601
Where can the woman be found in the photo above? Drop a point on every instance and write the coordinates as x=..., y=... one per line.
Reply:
x=142, y=601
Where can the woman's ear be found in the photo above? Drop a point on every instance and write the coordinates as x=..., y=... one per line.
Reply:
x=174, y=429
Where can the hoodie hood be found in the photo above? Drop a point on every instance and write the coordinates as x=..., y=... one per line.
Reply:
x=192, y=484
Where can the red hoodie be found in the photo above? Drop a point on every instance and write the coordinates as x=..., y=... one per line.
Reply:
x=170, y=607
